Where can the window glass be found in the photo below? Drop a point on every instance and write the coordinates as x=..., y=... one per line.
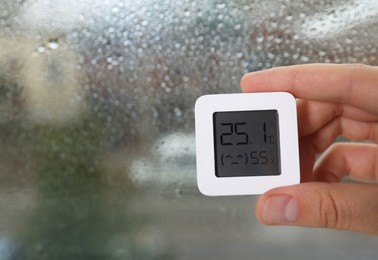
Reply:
x=97, y=155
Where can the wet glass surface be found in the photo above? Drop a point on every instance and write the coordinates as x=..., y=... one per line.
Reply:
x=97, y=156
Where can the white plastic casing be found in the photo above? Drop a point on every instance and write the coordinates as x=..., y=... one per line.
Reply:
x=211, y=185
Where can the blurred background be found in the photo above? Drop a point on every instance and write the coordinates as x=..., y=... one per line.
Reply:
x=97, y=155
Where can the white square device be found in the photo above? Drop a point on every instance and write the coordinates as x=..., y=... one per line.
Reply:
x=246, y=143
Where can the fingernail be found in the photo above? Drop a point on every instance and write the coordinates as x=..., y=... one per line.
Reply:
x=280, y=209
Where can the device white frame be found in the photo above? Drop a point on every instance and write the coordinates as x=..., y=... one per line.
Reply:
x=211, y=185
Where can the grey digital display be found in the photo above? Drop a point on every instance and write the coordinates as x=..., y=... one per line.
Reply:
x=246, y=143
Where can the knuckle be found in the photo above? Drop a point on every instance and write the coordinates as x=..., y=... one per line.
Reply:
x=354, y=72
x=334, y=210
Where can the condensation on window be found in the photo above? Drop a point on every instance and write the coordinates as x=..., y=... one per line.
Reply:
x=97, y=155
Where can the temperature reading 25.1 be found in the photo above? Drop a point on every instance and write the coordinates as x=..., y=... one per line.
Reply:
x=241, y=136
x=246, y=143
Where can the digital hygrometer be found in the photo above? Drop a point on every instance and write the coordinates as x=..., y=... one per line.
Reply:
x=246, y=143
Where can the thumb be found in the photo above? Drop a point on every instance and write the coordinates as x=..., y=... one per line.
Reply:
x=328, y=205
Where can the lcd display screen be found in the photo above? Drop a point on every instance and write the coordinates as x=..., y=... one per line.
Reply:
x=246, y=143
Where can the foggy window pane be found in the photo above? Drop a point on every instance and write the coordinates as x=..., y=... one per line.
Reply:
x=97, y=154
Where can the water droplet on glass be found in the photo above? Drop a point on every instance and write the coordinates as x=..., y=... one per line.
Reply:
x=41, y=49
x=53, y=44
x=178, y=112
x=221, y=6
x=115, y=9
x=305, y=59
x=237, y=27
x=348, y=41
x=260, y=38
x=278, y=40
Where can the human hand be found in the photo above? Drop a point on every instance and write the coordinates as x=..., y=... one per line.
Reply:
x=332, y=100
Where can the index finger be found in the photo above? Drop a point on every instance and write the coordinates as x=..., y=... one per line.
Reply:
x=354, y=85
